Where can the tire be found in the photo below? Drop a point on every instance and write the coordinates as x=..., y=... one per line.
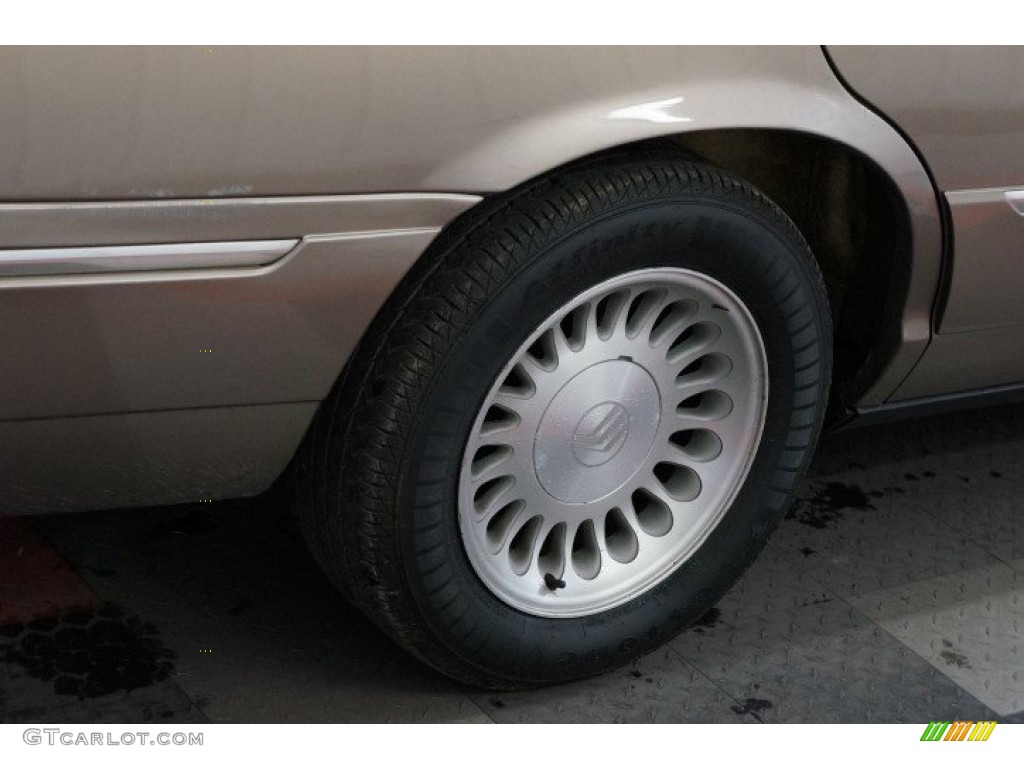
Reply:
x=387, y=479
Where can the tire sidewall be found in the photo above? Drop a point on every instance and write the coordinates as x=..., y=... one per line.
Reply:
x=769, y=270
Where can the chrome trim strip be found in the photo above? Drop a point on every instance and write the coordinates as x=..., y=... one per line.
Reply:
x=1016, y=200
x=121, y=222
x=1014, y=197
x=38, y=262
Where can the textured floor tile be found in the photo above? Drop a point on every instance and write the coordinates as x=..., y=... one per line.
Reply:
x=855, y=541
x=26, y=699
x=258, y=633
x=967, y=447
x=771, y=584
x=966, y=469
x=968, y=625
x=259, y=636
x=993, y=518
x=103, y=665
x=660, y=688
x=824, y=664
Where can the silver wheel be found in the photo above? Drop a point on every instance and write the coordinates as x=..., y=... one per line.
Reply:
x=613, y=442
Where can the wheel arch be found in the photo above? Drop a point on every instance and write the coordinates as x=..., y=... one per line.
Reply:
x=855, y=174
x=860, y=229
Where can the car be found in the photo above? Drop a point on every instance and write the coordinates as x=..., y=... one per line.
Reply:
x=542, y=338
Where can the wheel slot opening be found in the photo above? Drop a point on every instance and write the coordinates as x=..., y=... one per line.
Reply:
x=520, y=549
x=551, y=557
x=670, y=319
x=641, y=309
x=652, y=514
x=607, y=311
x=586, y=555
x=543, y=351
x=490, y=491
x=679, y=482
x=487, y=457
x=501, y=522
x=498, y=419
x=710, y=404
x=518, y=383
x=619, y=537
x=697, y=444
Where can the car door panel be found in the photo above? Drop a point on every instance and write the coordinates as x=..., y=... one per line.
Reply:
x=963, y=108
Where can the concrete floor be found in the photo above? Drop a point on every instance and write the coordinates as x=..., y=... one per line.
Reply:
x=893, y=592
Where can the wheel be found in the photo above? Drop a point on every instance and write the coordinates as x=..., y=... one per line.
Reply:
x=575, y=423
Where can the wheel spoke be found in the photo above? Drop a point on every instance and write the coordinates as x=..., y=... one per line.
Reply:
x=644, y=309
x=500, y=418
x=523, y=544
x=693, y=445
x=490, y=495
x=585, y=551
x=489, y=460
x=551, y=553
x=578, y=326
x=517, y=387
x=610, y=313
x=502, y=522
x=691, y=343
x=675, y=318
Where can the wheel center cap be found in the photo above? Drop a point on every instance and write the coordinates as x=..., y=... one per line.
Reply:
x=597, y=431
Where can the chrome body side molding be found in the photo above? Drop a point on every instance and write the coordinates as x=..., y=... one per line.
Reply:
x=1016, y=200
x=38, y=262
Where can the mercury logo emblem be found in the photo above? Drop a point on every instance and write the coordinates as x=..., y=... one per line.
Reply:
x=601, y=433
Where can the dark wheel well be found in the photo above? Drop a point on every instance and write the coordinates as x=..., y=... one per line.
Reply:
x=850, y=213
x=856, y=222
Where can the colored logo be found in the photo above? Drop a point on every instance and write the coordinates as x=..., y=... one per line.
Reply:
x=959, y=731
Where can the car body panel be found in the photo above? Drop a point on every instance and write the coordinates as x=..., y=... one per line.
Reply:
x=156, y=388
x=148, y=458
x=181, y=122
x=978, y=341
x=361, y=154
x=988, y=269
x=963, y=108
x=196, y=338
x=148, y=123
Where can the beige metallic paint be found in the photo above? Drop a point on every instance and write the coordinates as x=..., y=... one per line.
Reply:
x=961, y=362
x=978, y=343
x=39, y=225
x=182, y=122
x=138, y=459
x=988, y=269
x=135, y=342
x=136, y=145
x=963, y=107
x=129, y=123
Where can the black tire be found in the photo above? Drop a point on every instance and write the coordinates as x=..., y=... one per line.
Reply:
x=378, y=478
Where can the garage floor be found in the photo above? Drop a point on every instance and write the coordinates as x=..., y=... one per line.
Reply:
x=893, y=592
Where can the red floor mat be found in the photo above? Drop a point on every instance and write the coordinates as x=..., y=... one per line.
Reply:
x=35, y=582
